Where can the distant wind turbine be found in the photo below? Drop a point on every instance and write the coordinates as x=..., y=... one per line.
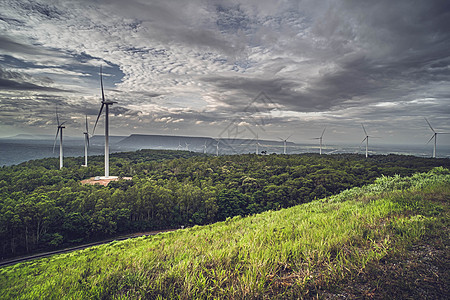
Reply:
x=367, y=140
x=59, y=131
x=434, y=136
x=86, y=143
x=105, y=104
x=204, y=148
x=320, y=139
x=217, y=148
x=187, y=146
x=284, y=143
x=179, y=146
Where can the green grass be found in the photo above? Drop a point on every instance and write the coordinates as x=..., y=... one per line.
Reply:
x=292, y=253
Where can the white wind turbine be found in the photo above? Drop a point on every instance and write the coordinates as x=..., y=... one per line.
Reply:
x=217, y=147
x=434, y=136
x=105, y=104
x=367, y=140
x=284, y=143
x=59, y=131
x=86, y=143
x=187, y=146
x=179, y=146
x=320, y=139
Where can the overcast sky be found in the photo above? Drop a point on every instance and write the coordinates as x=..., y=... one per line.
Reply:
x=218, y=68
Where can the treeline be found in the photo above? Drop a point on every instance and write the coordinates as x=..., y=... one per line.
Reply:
x=42, y=207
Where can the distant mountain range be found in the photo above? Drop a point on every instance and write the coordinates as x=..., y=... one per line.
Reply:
x=24, y=136
x=169, y=142
x=199, y=144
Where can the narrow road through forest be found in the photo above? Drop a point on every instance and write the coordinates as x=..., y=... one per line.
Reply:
x=12, y=261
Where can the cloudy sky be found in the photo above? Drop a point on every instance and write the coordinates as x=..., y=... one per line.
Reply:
x=218, y=68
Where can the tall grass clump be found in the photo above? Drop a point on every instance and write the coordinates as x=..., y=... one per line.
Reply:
x=293, y=252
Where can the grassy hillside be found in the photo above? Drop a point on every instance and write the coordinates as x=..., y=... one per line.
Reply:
x=360, y=243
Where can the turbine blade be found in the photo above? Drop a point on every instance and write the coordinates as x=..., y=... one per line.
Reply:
x=98, y=117
x=364, y=140
x=288, y=137
x=431, y=138
x=364, y=129
x=323, y=132
x=56, y=138
x=57, y=116
x=101, y=84
x=430, y=125
x=87, y=124
x=87, y=138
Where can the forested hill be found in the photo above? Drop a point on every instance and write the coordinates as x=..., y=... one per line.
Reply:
x=42, y=207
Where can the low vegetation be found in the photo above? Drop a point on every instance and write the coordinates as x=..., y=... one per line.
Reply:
x=42, y=207
x=340, y=246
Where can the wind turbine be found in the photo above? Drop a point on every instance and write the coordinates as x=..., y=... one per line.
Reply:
x=204, y=148
x=284, y=143
x=105, y=104
x=187, y=146
x=434, y=136
x=320, y=139
x=367, y=140
x=217, y=148
x=179, y=146
x=86, y=143
x=59, y=131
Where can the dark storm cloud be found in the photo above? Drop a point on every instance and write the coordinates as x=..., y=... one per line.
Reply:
x=16, y=81
x=12, y=46
x=204, y=61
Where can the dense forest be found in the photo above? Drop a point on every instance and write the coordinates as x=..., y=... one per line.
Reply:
x=42, y=207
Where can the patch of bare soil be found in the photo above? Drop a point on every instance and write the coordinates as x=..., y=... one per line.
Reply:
x=421, y=273
x=105, y=182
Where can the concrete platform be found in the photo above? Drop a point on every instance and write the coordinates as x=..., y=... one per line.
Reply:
x=101, y=180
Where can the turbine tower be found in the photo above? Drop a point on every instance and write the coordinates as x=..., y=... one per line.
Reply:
x=257, y=144
x=204, y=148
x=284, y=143
x=86, y=143
x=320, y=139
x=105, y=104
x=59, y=131
x=434, y=136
